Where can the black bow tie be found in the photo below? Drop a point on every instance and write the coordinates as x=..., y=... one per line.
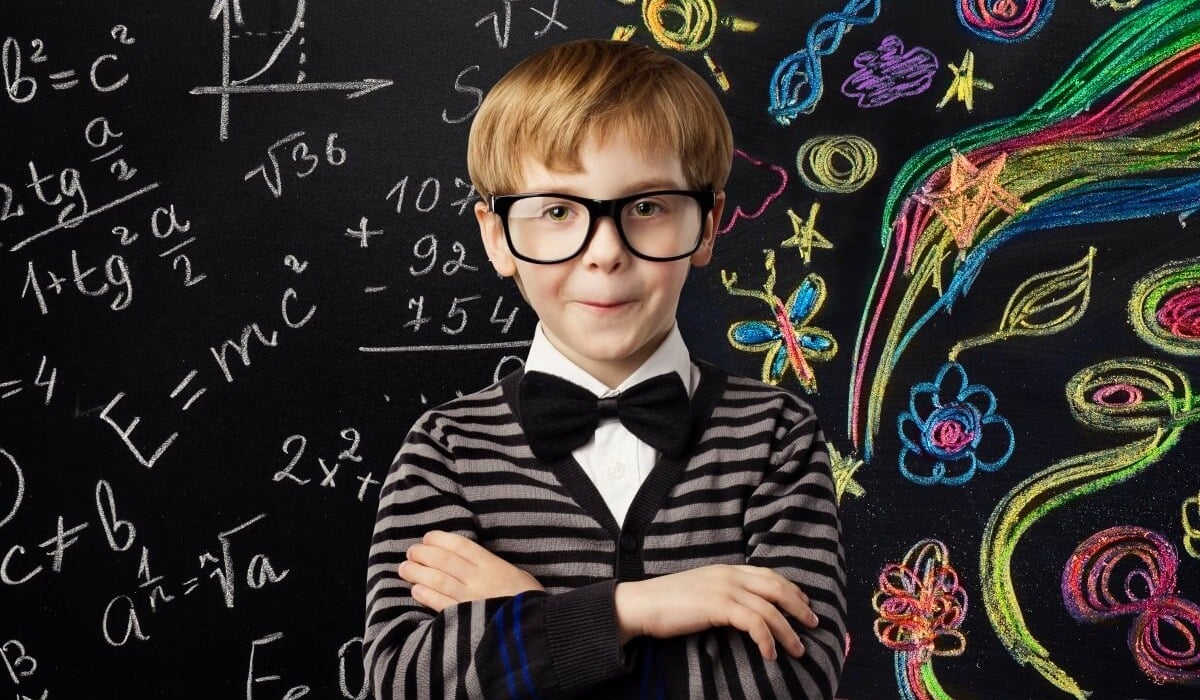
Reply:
x=559, y=416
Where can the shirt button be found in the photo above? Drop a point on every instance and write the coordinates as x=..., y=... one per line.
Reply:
x=616, y=470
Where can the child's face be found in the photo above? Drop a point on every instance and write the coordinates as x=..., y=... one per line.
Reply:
x=606, y=309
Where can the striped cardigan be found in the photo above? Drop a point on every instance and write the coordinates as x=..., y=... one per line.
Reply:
x=756, y=489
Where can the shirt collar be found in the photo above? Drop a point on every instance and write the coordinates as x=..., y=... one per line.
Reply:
x=671, y=356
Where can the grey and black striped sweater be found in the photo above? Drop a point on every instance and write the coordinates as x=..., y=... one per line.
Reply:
x=756, y=489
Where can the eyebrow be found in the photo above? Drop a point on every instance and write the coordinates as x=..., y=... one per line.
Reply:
x=647, y=185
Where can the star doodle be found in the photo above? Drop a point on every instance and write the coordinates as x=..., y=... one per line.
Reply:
x=805, y=235
x=972, y=192
x=962, y=88
x=843, y=468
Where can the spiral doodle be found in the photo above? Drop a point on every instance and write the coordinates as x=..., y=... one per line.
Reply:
x=840, y=164
x=681, y=25
x=1165, y=307
x=1128, y=570
x=1004, y=20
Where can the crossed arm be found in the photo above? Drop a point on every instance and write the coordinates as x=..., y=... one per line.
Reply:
x=445, y=613
x=446, y=569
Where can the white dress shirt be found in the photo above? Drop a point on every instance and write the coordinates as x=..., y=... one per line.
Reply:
x=614, y=459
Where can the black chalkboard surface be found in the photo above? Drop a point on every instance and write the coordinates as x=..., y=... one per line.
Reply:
x=237, y=261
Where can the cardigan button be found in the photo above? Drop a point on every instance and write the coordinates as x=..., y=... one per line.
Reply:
x=629, y=542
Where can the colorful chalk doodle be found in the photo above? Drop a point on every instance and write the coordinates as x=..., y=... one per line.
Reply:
x=840, y=164
x=972, y=193
x=1004, y=20
x=843, y=468
x=787, y=340
x=921, y=605
x=686, y=26
x=1046, y=303
x=805, y=235
x=944, y=427
x=1128, y=570
x=890, y=73
x=798, y=83
x=1165, y=308
x=1116, y=5
x=1093, y=149
x=1130, y=395
x=1189, y=519
x=778, y=181
x=962, y=88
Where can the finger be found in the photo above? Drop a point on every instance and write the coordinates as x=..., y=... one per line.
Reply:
x=790, y=603
x=434, y=580
x=470, y=551
x=441, y=559
x=783, y=593
x=750, y=622
x=431, y=598
x=777, y=624
x=765, y=572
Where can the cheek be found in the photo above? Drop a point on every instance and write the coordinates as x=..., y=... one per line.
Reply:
x=668, y=282
x=540, y=283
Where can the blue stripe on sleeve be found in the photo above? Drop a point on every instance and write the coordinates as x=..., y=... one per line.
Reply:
x=521, y=646
x=498, y=620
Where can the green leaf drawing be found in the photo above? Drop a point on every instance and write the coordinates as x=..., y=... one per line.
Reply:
x=1044, y=304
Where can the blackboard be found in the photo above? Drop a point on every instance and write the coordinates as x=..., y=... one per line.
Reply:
x=237, y=261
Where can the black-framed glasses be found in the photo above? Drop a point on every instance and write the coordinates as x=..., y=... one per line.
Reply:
x=548, y=227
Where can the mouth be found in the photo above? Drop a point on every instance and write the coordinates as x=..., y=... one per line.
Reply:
x=604, y=305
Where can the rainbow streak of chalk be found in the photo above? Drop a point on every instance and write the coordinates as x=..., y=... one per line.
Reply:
x=1093, y=149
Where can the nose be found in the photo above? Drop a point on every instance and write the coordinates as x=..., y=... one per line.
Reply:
x=605, y=250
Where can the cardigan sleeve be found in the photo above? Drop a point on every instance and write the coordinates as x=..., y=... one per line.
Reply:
x=533, y=644
x=791, y=526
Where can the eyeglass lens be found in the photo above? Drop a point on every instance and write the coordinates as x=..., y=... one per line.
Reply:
x=547, y=228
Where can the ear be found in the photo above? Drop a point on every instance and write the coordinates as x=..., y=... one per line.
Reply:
x=704, y=253
x=492, y=233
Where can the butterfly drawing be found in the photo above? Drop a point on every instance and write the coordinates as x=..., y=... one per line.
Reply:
x=786, y=339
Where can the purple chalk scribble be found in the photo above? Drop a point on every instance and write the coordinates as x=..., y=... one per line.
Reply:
x=890, y=73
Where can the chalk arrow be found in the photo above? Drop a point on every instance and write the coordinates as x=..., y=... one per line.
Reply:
x=359, y=87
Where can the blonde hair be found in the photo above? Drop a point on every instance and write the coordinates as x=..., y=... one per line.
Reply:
x=551, y=103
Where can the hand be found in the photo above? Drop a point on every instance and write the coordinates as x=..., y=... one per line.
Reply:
x=751, y=598
x=446, y=569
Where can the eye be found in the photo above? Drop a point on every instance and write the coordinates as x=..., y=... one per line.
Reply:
x=558, y=212
x=646, y=207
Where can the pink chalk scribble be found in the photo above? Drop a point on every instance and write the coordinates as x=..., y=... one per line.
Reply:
x=739, y=212
x=1180, y=313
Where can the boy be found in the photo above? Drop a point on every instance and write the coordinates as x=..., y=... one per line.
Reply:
x=618, y=519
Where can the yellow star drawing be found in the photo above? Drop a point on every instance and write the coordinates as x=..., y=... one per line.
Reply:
x=843, y=469
x=969, y=196
x=963, y=86
x=805, y=236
